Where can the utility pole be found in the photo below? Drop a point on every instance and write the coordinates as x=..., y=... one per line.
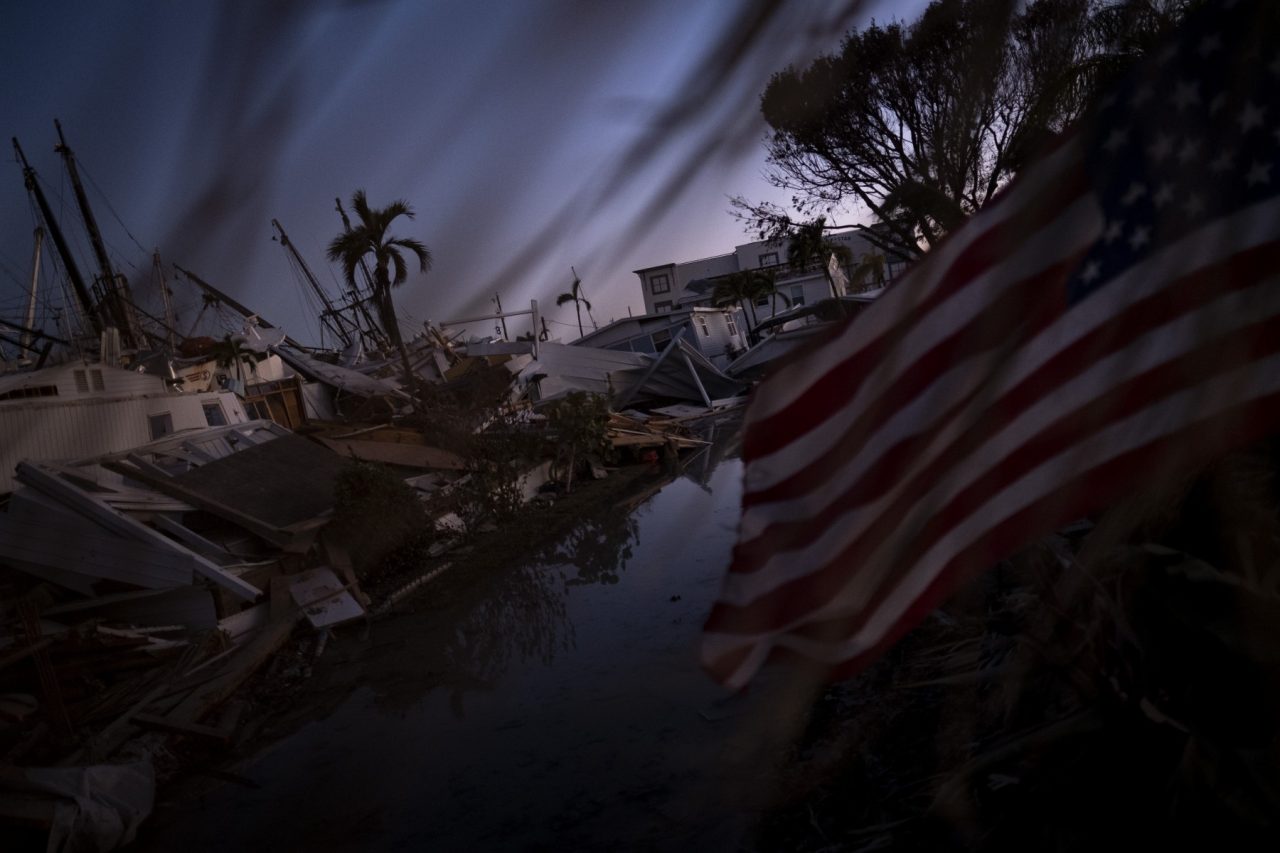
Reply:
x=497, y=300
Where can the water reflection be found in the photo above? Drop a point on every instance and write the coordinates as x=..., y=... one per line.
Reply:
x=522, y=618
x=551, y=704
x=598, y=548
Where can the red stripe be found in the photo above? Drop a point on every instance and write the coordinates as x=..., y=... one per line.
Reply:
x=821, y=399
x=1020, y=311
x=1187, y=448
x=1184, y=295
x=795, y=599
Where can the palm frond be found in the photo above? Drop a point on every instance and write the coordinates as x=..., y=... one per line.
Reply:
x=419, y=250
x=401, y=268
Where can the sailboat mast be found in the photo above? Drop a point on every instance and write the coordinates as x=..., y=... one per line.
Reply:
x=169, y=321
x=87, y=306
x=219, y=296
x=330, y=317
x=110, y=291
x=30, y=317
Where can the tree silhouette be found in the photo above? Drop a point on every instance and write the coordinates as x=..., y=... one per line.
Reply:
x=809, y=244
x=737, y=288
x=369, y=238
x=575, y=296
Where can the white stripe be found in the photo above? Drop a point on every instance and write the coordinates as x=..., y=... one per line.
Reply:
x=1187, y=408
x=1078, y=226
x=1243, y=231
x=1160, y=345
x=789, y=383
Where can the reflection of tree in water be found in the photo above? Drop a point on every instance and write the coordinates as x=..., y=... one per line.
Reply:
x=522, y=617
x=599, y=547
x=466, y=645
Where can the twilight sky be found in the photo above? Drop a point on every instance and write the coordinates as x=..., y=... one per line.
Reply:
x=529, y=136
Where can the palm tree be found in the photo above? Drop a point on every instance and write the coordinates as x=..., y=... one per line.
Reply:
x=870, y=266
x=808, y=244
x=575, y=296
x=228, y=352
x=370, y=238
x=766, y=284
x=740, y=288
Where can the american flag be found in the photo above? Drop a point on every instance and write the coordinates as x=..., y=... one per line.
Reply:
x=1115, y=311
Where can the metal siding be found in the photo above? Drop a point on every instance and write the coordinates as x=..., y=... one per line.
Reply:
x=46, y=428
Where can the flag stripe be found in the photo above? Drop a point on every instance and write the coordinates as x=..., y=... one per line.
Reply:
x=1116, y=310
x=1148, y=292
x=1009, y=222
x=1061, y=496
x=932, y=515
x=881, y=465
x=821, y=420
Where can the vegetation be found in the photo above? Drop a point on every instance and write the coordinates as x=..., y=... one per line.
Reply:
x=375, y=514
x=766, y=286
x=1113, y=686
x=370, y=238
x=575, y=296
x=868, y=272
x=228, y=352
x=580, y=423
x=921, y=124
x=738, y=288
x=809, y=245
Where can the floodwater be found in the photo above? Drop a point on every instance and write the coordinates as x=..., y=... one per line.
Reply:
x=561, y=707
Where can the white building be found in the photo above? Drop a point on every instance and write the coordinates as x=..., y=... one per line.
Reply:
x=714, y=332
x=673, y=286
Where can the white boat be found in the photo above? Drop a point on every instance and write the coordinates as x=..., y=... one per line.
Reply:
x=75, y=410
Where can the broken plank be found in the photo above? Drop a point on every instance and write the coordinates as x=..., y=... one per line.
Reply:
x=169, y=486
x=155, y=721
x=396, y=453
x=38, y=477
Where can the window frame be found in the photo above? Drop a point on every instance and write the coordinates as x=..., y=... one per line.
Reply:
x=214, y=406
x=659, y=278
x=162, y=419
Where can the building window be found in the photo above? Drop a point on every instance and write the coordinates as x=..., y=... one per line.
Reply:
x=702, y=326
x=797, y=295
x=762, y=301
x=660, y=283
x=34, y=391
x=733, y=327
x=662, y=307
x=213, y=415
x=769, y=259
x=82, y=381
x=661, y=339
x=161, y=425
x=96, y=376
